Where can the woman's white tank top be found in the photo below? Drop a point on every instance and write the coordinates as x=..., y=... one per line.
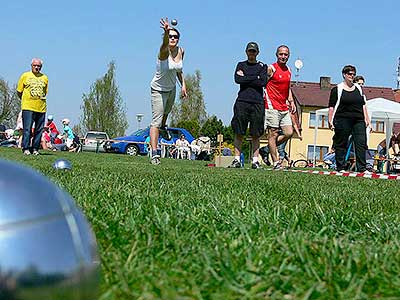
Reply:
x=165, y=78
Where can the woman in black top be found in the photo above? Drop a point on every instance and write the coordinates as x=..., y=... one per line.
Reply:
x=348, y=116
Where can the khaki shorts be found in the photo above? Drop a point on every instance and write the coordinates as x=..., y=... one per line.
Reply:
x=277, y=118
x=161, y=104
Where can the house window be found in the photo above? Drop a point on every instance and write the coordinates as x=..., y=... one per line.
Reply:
x=319, y=150
x=378, y=126
x=322, y=122
x=312, y=120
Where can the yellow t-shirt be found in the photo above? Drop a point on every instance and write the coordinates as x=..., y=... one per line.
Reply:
x=34, y=90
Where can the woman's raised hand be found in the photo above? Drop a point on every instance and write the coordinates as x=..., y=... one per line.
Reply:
x=164, y=24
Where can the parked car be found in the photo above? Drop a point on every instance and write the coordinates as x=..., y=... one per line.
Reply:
x=134, y=144
x=94, y=141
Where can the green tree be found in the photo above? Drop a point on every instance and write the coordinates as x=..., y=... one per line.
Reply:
x=193, y=108
x=10, y=105
x=228, y=134
x=212, y=127
x=103, y=108
x=192, y=125
x=78, y=130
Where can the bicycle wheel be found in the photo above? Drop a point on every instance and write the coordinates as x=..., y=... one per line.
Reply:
x=300, y=163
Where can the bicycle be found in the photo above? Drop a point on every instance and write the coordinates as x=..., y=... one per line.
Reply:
x=308, y=163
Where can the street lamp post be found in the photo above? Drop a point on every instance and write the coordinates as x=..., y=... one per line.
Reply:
x=139, y=118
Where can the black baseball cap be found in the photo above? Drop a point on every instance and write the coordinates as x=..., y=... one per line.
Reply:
x=252, y=46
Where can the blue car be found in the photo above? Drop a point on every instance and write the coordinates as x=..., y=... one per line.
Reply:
x=134, y=144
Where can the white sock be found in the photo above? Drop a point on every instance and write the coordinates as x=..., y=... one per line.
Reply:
x=237, y=157
x=255, y=159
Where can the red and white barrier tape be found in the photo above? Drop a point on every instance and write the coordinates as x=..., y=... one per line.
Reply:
x=348, y=174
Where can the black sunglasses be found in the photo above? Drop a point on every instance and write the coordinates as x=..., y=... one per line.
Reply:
x=175, y=36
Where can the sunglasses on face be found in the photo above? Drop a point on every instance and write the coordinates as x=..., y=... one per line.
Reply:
x=37, y=66
x=174, y=36
x=351, y=74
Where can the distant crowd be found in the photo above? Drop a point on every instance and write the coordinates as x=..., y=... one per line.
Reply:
x=51, y=138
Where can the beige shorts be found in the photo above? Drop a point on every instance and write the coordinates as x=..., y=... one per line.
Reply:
x=161, y=104
x=277, y=118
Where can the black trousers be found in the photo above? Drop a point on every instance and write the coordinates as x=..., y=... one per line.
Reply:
x=345, y=127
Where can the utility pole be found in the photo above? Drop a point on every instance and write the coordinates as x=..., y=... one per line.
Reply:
x=398, y=75
x=139, y=118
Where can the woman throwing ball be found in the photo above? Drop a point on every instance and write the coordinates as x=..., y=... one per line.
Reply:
x=163, y=85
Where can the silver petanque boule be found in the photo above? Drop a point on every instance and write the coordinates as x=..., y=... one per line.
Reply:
x=62, y=164
x=47, y=246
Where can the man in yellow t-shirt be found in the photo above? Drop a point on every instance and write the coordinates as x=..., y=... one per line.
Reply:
x=32, y=90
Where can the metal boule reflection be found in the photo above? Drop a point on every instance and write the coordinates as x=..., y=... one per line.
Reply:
x=47, y=246
x=62, y=164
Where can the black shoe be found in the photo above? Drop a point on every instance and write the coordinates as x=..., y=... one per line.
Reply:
x=235, y=164
x=371, y=170
x=267, y=162
x=278, y=166
x=164, y=133
x=256, y=165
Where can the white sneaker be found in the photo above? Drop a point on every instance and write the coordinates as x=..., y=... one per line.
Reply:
x=278, y=166
x=36, y=153
x=27, y=152
x=155, y=160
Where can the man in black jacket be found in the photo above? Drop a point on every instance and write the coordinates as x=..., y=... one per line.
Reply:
x=251, y=75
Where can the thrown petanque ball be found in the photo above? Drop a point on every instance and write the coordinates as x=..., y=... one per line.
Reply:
x=174, y=22
x=46, y=245
x=62, y=164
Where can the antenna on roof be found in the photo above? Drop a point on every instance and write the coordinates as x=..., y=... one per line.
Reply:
x=298, y=64
x=398, y=75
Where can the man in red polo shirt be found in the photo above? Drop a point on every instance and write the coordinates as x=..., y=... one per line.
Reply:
x=279, y=103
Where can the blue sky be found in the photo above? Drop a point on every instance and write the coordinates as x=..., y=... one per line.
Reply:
x=77, y=40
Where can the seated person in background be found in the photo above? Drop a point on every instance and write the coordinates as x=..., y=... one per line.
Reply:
x=9, y=139
x=46, y=141
x=52, y=128
x=203, y=148
x=394, y=143
x=183, y=147
x=196, y=149
x=383, y=151
x=167, y=148
x=58, y=144
x=330, y=158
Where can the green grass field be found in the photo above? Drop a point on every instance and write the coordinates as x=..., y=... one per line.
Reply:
x=182, y=230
